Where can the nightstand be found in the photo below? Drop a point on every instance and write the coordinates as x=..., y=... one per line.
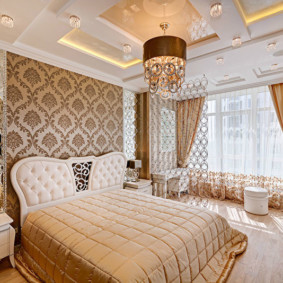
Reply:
x=143, y=186
x=7, y=238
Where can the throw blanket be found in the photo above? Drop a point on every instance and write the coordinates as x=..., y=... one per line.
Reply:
x=124, y=236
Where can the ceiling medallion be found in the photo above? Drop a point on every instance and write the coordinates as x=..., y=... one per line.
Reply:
x=164, y=60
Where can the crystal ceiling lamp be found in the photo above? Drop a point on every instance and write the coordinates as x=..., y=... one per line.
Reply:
x=236, y=42
x=216, y=10
x=271, y=46
x=164, y=60
x=127, y=48
x=75, y=22
x=7, y=21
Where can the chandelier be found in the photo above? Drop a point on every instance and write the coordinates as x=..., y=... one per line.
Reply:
x=164, y=60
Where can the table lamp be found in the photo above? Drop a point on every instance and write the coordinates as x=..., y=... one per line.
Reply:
x=135, y=165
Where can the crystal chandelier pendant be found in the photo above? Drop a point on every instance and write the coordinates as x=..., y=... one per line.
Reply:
x=164, y=64
x=7, y=21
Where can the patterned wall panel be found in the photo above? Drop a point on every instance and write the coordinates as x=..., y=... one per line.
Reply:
x=161, y=160
x=57, y=113
x=130, y=124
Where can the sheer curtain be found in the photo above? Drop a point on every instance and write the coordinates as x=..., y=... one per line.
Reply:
x=244, y=133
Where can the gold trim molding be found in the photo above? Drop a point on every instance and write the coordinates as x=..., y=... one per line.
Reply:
x=260, y=15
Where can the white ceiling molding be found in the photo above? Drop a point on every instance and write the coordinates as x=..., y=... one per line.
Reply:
x=133, y=77
x=265, y=73
x=224, y=82
x=246, y=86
x=230, y=48
x=59, y=62
x=64, y=7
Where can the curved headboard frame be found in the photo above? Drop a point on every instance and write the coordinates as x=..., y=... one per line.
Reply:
x=43, y=181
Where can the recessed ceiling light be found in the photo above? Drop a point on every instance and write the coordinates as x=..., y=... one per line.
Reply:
x=127, y=48
x=236, y=42
x=220, y=61
x=226, y=77
x=274, y=67
x=7, y=21
x=271, y=46
x=216, y=10
x=75, y=22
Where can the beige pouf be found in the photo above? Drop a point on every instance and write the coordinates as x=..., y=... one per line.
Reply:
x=256, y=200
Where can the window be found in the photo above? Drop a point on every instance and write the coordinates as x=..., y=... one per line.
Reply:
x=244, y=136
x=168, y=130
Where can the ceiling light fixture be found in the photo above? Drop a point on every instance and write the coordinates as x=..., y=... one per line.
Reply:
x=75, y=22
x=226, y=77
x=274, y=67
x=164, y=60
x=127, y=48
x=7, y=21
x=236, y=42
x=220, y=61
x=216, y=10
x=271, y=46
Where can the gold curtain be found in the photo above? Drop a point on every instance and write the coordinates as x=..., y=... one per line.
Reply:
x=231, y=186
x=276, y=92
x=188, y=113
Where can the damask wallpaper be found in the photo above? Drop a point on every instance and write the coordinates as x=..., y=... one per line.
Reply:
x=57, y=113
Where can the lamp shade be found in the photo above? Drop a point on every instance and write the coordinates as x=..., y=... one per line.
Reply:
x=134, y=164
x=165, y=45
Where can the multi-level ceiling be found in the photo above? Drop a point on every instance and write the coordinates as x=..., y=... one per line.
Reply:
x=42, y=31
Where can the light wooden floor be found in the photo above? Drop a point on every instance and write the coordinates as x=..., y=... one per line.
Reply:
x=261, y=263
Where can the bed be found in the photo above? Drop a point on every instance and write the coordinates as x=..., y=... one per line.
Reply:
x=79, y=225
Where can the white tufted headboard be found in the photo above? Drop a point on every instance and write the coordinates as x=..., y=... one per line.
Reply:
x=42, y=181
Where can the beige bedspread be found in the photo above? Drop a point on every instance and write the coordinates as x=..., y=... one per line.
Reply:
x=123, y=236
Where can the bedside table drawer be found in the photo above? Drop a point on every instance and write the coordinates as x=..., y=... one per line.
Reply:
x=4, y=237
x=146, y=190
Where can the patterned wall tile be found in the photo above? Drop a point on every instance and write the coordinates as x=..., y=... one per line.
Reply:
x=160, y=160
x=57, y=113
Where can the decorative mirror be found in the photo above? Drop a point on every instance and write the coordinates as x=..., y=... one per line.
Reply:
x=3, y=176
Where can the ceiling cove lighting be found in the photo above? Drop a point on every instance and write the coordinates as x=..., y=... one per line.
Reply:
x=7, y=21
x=271, y=46
x=236, y=42
x=164, y=60
x=216, y=10
x=75, y=22
x=86, y=43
